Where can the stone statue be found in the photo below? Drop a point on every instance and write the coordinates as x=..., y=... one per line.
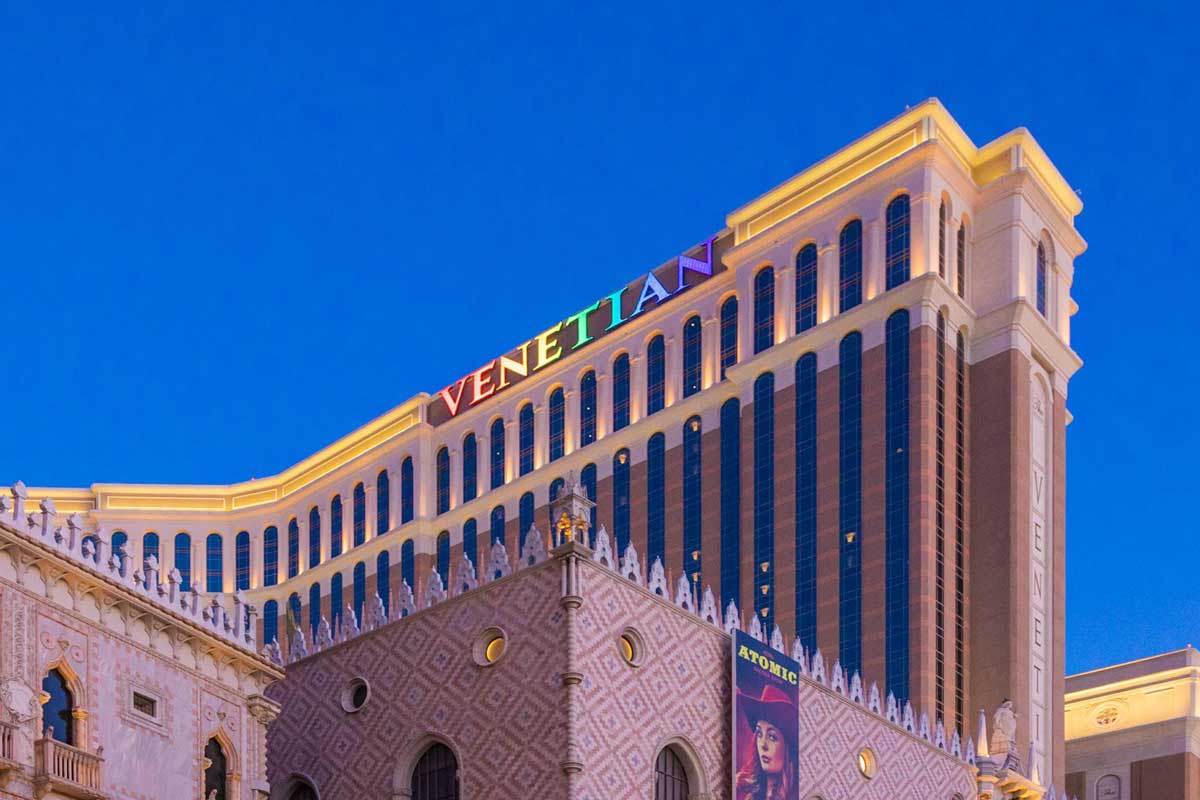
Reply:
x=1004, y=729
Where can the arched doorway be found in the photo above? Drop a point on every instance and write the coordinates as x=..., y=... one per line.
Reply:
x=670, y=778
x=58, y=713
x=436, y=775
x=216, y=771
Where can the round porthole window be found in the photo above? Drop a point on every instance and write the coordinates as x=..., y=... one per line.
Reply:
x=632, y=649
x=355, y=695
x=490, y=647
x=867, y=764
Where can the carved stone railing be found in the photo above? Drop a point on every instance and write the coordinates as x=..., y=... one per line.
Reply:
x=8, y=735
x=66, y=770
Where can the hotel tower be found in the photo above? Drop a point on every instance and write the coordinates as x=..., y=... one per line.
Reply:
x=844, y=411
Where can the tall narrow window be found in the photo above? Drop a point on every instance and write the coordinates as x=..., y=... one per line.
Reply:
x=294, y=609
x=731, y=501
x=150, y=548
x=496, y=443
x=960, y=521
x=436, y=775
x=119, y=544
x=314, y=536
x=242, y=559
x=620, y=513
x=942, y=240
x=557, y=413
x=692, y=355
x=587, y=476
x=335, y=601
x=360, y=514
x=270, y=555
x=806, y=500
x=383, y=580
x=656, y=501
x=896, y=244
x=442, y=467
x=94, y=544
x=524, y=519
x=293, y=547
x=525, y=437
x=896, y=501
x=764, y=499
x=314, y=610
x=961, y=251
x=693, y=499
x=443, y=556
x=806, y=288
x=587, y=408
x=335, y=526
x=620, y=398
x=383, y=503
x=850, y=502
x=850, y=265
x=408, y=565
x=470, y=467
x=556, y=486
x=183, y=561
x=656, y=374
x=270, y=622
x=471, y=542
x=1041, y=279
x=360, y=590
x=496, y=525
x=764, y=309
x=939, y=523
x=670, y=778
x=407, y=504
x=214, y=566
x=216, y=774
x=729, y=334
x=58, y=712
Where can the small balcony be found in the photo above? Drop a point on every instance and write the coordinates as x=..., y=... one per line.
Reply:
x=8, y=758
x=66, y=770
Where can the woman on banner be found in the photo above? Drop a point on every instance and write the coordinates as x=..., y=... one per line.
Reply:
x=768, y=769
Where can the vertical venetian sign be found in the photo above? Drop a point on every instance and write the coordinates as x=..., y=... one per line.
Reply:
x=766, y=721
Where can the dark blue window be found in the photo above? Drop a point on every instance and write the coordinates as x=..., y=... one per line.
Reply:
x=314, y=610
x=656, y=374
x=656, y=501
x=496, y=525
x=183, y=560
x=1041, y=279
x=693, y=495
x=556, y=486
x=692, y=359
x=524, y=518
x=119, y=542
x=806, y=500
x=729, y=334
x=764, y=309
x=383, y=580
x=896, y=479
x=942, y=240
x=383, y=503
x=850, y=502
x=620, y=399
x=620, y=514
x=214, y=567
x=850, y=265
x=962, y=259
x=335, y=526
x=471, y=541
x=442, y=465
x=407, y=507
x=443, y=556
x=293, y=546
x=335, y=601
x=270, y=622
x=731, y=501
x=294, y=609
x=360, y=514
x=496, y=440
x=314, y=536
x=360, y=590
x=587, y=408
x=95, y=543
x=587, y=476
x=764, y=499
x=270, y=555
x=558, y=423
x=960, y=522
x=408, y=566
x=806, y=288
x=525, y=438
x=896, y=242
x=470, y=467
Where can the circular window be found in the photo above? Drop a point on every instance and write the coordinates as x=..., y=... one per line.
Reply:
x=490, y=647
x=355, y=695
x=867, y=764
x=632, y=649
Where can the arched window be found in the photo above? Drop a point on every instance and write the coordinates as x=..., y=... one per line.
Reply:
x=214, y=566
x=1041, y=279
x=656, y=374
x=729, y=334
x=241, y=553
x=183, y=561
x=216, y=774
x=850, y=265
x=556, y=486
x=558, y=423
x=850, y=501
x=942, y=240
x=587, y=476
x=670, y=779
x=314, y=536
x=293, y=545
x=587, y=408
x=302, y=791
x=620, y=513
x=58, y=711
x=764, y=499
x=656, y=501
x=443, y=556
x=525, y=439
x=692, y=360
x=406, y=490
x=496, y=525
x=94, y=543
x=961, y=251
x=119, y=544
x=270, y=555
x=407, y=564
x=496, y=440
x=442, y=467
x=270, y=622
x=383, y=503
x=764, y=309
x=525, y=518
x=335, y=601
x=470, y=467
x=620, y=398
x=150, y=548
x=383, y=580
x=896, y=242
x=294, y=609
x=896, y=502
x=359, y=512
x=360, y=590
x=806, y=499
x=470, y=535
x=806, y=288
x=335, y=526
x=436, y=775
x=731, y=500
x=692, y=498
x=314, y=609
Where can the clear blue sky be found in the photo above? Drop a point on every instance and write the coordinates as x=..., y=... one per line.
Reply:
x=231, y=235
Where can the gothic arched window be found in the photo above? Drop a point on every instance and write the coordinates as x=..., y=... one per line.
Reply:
x=436, y=775
x=314, y=536
x=214, y=557
x=850, y=265
x=896, y=242
x=670, y=778
x=764, y=309
x=57, y=712
x=216, y=774
x=470, y=467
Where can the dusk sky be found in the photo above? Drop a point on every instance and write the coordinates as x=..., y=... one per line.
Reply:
x=231, y=235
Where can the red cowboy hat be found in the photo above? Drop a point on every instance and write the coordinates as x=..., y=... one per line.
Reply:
x=771, y=706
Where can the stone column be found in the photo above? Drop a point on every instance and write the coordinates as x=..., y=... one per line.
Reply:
x=785, y=303
x=512, y=450
x=569, y=556
x=571, y=420
x=264, y=712
x=637, y=388
x=541, y=435
x=228, y=562
x=828, y=282
x=710, y=352
x=603, y=404
x=873, y=270
x=674, y=358
x=455, y=477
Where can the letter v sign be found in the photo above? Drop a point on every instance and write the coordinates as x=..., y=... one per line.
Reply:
x=452, y=402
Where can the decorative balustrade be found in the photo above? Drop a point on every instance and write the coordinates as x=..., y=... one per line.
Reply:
x=67, y=770
x=8, y=733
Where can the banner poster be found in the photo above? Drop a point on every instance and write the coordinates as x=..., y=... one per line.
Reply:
x=766, y=718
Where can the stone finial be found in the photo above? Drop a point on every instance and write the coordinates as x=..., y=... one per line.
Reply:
x=755, y=630
x=906, y=720
x=498, y=565
x=239, y=614
x=48, y=512
x=151, y=570
x=193, y=603
x=6, y=506
x=603, y=554
x=571, y=511
x=272, y=653
x=733, y=618
x=777, y=640
x=19, y=495
x=956, y=745
x=406, y=603
x=434, y=591
x=837, y=680
x=856, y=688
x=798, y=652
x=464, y=577
x=375, y=616
x=173, y=580
x=939, y=735
x=969, y=756
x=708, y=608
x=631, y=568
x=1034, y=773
x=348, y=627
x=892, y=710
x=923, y=726
x=534, y=549
x=324, y=637
x=297, y=646
x=1052, y=794
x=818, y=667
x=873, y=702
x=982, y=736
x=75, y=526
x=658, y=579
x=683, y=594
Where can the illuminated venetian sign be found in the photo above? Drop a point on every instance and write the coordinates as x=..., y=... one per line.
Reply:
x=600, y=318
